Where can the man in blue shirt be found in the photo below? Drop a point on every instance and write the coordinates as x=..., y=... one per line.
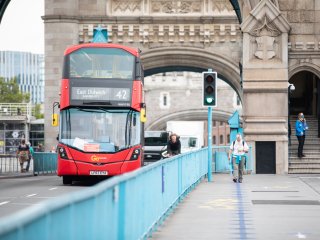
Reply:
x=301, y=127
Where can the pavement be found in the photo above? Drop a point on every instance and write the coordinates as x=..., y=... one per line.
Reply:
x=262, y=207
x=16, y=175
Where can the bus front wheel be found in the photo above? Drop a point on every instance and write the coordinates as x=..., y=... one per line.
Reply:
x=66, y=180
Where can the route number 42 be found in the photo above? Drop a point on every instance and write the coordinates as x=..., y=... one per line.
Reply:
x=122, y=94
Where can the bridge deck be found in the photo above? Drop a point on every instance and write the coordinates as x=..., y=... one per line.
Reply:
x=262, y=207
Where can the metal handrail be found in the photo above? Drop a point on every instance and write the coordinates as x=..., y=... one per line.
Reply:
x=130, y=206
x=9, y=164
x=221, y=162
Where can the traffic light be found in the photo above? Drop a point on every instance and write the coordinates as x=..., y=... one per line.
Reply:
x=209, y=90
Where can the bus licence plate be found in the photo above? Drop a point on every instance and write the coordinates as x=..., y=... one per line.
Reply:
x=96, y=173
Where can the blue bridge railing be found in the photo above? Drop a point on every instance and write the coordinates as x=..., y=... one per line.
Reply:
x=221, y=163
x=44, y=163
x=130, y=206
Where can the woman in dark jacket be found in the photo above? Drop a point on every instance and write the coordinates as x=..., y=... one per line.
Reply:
x=174, y=145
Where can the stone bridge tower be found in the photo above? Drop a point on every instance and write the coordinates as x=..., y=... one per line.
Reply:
x=274, y=40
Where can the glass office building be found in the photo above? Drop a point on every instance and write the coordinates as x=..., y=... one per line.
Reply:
x=28, y=69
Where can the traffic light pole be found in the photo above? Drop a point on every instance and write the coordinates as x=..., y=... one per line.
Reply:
x=209, y=144
x=209, y=99
x=209, y=140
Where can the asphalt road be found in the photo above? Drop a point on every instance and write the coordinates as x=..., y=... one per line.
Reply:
x=19, y=193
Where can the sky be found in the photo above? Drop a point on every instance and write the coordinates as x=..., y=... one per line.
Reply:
x=22, y=28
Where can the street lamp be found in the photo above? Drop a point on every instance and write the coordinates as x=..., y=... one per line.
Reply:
x=291, y=88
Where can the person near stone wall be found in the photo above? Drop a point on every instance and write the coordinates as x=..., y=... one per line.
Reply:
x=301, y=127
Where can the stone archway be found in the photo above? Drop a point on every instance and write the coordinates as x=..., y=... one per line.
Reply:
x=190, y=115
x=310, y=67
x=198, y=60
x=306, y=96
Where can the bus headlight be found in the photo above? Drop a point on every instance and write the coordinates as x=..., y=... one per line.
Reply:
x=62, y=153
x=135, y=154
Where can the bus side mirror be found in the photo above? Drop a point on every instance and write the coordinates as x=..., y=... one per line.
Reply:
x=55, y=118
x=143, y=117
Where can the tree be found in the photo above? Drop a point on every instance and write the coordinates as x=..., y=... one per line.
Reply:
x=37, y=111
x=10, y=92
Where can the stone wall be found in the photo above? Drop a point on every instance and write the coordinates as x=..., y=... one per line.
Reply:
x=183, y=93
x=280, y=38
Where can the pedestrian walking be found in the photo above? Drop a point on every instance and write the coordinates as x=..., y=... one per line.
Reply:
x=30, y=156
x=237, y=157
x=174, y=145
x=23, y=154
x=301, y=127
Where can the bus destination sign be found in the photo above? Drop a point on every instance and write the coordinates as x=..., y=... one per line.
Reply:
x=100, y=94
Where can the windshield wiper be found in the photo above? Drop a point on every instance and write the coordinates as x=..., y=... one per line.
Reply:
x=100, y=110
x=89, y=110
x=113, y=110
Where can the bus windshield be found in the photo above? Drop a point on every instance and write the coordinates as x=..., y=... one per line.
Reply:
x=110, y=63
x=99, y=130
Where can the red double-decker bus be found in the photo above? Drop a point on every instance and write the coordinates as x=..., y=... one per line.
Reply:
x=100, y=130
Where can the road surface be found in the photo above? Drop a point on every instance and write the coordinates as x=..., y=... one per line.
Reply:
x=19, y=193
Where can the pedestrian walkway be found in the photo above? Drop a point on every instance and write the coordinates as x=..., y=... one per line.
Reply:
x=262, y=207
x=16, y=175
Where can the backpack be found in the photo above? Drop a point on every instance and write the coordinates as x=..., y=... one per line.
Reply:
x=23, y=153
x=235, y=142
x=245, y=161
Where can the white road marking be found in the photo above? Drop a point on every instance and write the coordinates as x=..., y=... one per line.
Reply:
x=31, y=195
x=44, y=197
x=54, y=188
x=309, y=177
x=300, y=235
x=24, y=204
x=3, y=203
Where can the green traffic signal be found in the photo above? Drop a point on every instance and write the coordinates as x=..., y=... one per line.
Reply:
x=209, y=100
x=209, y=88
